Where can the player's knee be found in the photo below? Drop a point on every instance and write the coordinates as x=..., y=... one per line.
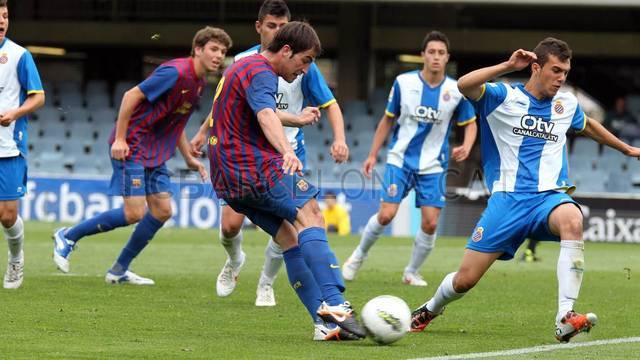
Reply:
x=163, y=213
x=312, y=214
x=464, y=282
x=572, y=228
x=429, y=226
x=134, y=214
x=229, y=229
x=8, y=218
x=385, y=217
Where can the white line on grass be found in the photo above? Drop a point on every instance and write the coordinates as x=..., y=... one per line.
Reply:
x=534, y=349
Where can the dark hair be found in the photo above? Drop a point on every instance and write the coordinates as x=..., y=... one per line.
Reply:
x=435, y=35
x=206, y=34
x=300, y=37
x=3, y=3
x=552, y=46
x=276, y=8
x=330, y=195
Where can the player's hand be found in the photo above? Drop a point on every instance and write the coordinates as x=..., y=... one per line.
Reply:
x=339, y=151
x=196, y=165
x=368, y=165
x=291, y=164
x=460, y=153
x=309, y=116
x=633, y=152
x=8, y=117
x=196, y=144
x=520, y=59
x=119, y=150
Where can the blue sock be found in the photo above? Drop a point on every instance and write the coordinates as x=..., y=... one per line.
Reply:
x=103, y=222
x=302, y=281
x=323, y=264
x=146, y=228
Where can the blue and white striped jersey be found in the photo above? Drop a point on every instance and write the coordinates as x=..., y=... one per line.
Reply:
x=308, y=89
x=523, y=139
x=420, y=140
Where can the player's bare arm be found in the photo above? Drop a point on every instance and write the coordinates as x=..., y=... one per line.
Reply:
x=382, y=131
x=309, y=116
x=33, y=103
x=470, y=85
x=461, y=153
x=131, y=99
x=191, y=162
x=600, y=134
x=274, y=132
x=339, y=149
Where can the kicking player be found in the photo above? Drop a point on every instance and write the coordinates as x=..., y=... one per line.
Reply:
x=525, y=166
x=309, y=89
x=150, y=125
x=254, y=169
x=421, y=107
x=22, y=94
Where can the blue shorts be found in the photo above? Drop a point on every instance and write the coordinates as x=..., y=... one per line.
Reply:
x=301, y=153
x=278, y=203
x=133, y=179
x=510, y=218
x=430, y=188
x=13, y=178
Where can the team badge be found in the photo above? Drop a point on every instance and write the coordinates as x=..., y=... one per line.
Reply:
x=446, y=96
x=213, y=141
x=136, y=183
x=392, y=191
x=303, y=185
x=558, y=108
x=477, y=235
x=3, y=58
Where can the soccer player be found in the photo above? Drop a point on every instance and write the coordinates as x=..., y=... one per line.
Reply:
x=422, y=105
x=523, y=141
x=150, y=125
x=255, y=170
x=309, y=89
x=22, y=94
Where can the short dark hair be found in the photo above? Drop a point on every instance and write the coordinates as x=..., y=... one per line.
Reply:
x=300, y=36
x=330, y=195
x=552, y=46
x=435, y=35
x=3, y=3
x=208, y=33
x=276, y=8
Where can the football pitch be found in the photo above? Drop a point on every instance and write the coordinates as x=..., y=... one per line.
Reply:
x=78, y=316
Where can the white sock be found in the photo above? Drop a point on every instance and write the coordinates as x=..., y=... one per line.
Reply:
x=272, y=262
x=233, y=247
x=15, y=239
x=444, y=295
x=370, y=235
x=422, y=246
x=570, y=269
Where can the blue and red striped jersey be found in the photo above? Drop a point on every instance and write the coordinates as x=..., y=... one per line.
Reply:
x=242, y=160
x=172, y=91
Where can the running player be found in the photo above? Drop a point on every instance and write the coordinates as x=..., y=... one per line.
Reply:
x=150, y=125
x=422, y=105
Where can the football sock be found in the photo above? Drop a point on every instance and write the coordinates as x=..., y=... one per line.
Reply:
x=422, y=246
x=569, y=271
x=302, y=281
x=102, y=222
x=370, y=235
x=15, y=239
x=233, y=247
x=272, y=262
x=143, y=233
x=532, y=245
x=444, y=295
x=322, y=263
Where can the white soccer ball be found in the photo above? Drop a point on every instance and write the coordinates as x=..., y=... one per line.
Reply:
x=386, y=318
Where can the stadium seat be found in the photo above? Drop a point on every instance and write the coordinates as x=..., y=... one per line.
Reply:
x=98, y=100
x=104, y=116
x=584, y=147
x=619, y=182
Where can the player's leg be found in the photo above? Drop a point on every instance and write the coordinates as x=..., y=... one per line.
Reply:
x=565, y=221
x=126, y=181
x=231, y=240
x=14, y=233
x=423, y=244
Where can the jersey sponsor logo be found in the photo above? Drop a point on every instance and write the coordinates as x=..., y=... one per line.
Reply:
x=280, y=103
x=3, y=58
x=536, y=127
x=392, y=191
x=303, y=185
x=558, y=108
x=184, y=109
x=477, y=235
x=426, y=114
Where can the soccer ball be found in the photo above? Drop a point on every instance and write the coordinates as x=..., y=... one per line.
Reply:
x=386, y=318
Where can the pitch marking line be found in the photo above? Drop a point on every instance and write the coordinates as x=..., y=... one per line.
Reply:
x=534, y=349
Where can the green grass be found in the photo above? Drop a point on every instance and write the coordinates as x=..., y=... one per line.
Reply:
x=78, y=316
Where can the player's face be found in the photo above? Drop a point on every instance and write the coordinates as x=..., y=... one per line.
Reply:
x=435, y=56
x=4, y=22
x=268, y=27
x=550, y=77
x=211, y=56
x=295, y=65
